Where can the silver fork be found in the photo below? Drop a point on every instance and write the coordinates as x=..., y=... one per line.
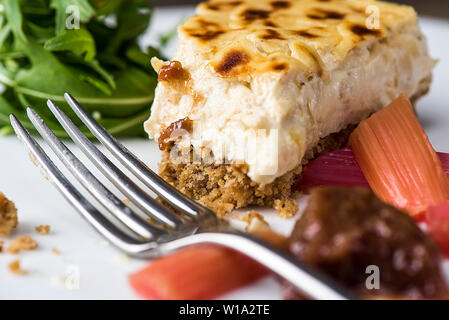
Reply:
x=196, y=224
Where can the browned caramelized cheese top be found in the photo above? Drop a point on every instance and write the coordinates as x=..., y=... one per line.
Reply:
x=238, y=38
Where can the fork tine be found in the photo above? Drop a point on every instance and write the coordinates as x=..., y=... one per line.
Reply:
x=137, y=167
x=149, y=205
x=80, y=203
x=88, y=180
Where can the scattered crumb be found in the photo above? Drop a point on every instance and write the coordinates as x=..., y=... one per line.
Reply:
x=8, y=216
x=14, y=268
x=22, y=243
x=255, y=221
x=286, y=208
x=42, y=229
x=127, y=202
x=256, y=225
x=1, y=246
x=55, y=251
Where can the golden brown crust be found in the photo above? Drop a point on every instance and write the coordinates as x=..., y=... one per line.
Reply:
x=226, y=187
x=8, y=216
x=286, y=208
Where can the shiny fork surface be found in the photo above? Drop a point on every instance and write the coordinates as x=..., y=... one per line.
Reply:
x=166, y=231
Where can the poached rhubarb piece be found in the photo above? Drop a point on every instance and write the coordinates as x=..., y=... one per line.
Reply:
x=397, y=159
x=196, y=273
x=340, y=168
x=438, y=223
x=202, y=272
x=336, y=168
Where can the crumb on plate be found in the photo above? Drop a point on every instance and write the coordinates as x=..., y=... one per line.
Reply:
x=42, y=229
x=22, y=243
x=255, y=221
x=55, y=251
x=286, y=208
x=8, y=216
x=15, y=268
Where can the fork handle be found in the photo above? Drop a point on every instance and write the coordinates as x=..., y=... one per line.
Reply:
x=313, y=284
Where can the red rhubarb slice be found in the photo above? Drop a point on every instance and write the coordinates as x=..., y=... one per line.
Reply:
x=397, y=159
x=195, y=273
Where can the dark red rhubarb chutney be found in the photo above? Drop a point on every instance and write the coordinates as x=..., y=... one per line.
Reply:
x=166, y=138
x=369, y=246
x=172, y=72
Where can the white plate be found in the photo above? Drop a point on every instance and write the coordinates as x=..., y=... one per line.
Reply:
x=101, y=268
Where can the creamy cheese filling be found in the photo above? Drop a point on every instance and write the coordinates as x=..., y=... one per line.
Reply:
x=270, y=120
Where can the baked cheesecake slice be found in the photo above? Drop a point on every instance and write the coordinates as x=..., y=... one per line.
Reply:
x=259, y=87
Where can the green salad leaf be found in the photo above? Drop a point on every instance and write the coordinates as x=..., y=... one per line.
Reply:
x=44, y=53
x=63, y=7
x=78, y=41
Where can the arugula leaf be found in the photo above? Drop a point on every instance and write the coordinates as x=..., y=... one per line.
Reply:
x=78, y=41
x=36, y=7
x=136, y=87
x=94, y=66
x=12, y=10
x=136, y=55
x=132, y=20
x=106, y=7
x=129, y=126
x=4, y=34
x=62, y=7
x=109, y=78
x=99, y=63
x=38, y=32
